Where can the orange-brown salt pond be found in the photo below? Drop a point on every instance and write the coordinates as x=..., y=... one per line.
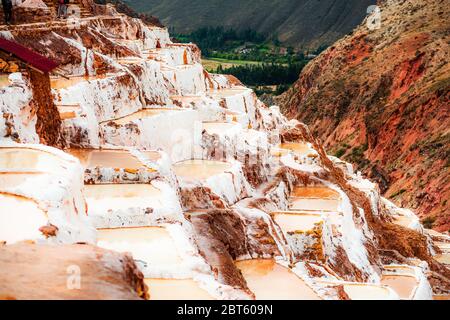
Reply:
x=108, y=158
x=63, y=83
x=199, y=169
x=271, y=281
x=403, y=285
x=24, y=159
x=314, y=199
x=299, y=148
x=366, y=292
x=141, y=114
x=296, y=222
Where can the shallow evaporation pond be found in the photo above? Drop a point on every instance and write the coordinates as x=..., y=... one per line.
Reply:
x=403, y=285
x=297, y=222
x=91, y=158
x=443, y=258
x=4, y=80
x=199, y=169
x=315, y=193
x=309, y=204
x=152, y=245
x=63, y=83
x=110, y=197
x=146, y=113
x=366, y=292
x=296, y=147
x=403, y=221
x=224, y=93
x=174, y=289
x=271, y=281
x=218, y=127
x=22, y=159
x=20, y=219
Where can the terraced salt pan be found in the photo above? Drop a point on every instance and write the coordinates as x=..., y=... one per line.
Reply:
x=176, y=131
x=174, y=289
x=4, y=80
x=63, y=83
x=369, y=292
x=403, y=285
x=229, y=92
x=68, y=111
x=110, y=158
x=314, y=204
x=443, y=258
x=24, y=159
x=314, y=199
x=20, y=219
x=296, y=222
x=194, y=170
x=141, y=114
x=271, y=281
x=219, y=127
x=152, y=246
x=315, y=193
x=102, y=199
x=297, y=148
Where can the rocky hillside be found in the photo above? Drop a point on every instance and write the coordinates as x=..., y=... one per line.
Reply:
x=299, y=23
x=380, y=99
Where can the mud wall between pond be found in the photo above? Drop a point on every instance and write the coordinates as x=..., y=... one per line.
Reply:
x=48, y=124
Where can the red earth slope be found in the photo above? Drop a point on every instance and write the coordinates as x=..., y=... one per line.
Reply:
x=380, y=99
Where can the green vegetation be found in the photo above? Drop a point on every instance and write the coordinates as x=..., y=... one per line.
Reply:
x=398, y=193
x=262, y=64
x=428, y=222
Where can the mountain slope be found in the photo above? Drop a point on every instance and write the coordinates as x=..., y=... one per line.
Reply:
x=300, y=23
x=380, y=99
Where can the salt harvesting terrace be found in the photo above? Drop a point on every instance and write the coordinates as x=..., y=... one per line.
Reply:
x=106, y=199
x=220, y=127
x=28, y=159
x=24, y=224
x=314, y=199
x=154, y=249
x=196, y=170
x=112, y=158
x=293, y=222
x=269, y=280
x=59, y=83
x=141, y=114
